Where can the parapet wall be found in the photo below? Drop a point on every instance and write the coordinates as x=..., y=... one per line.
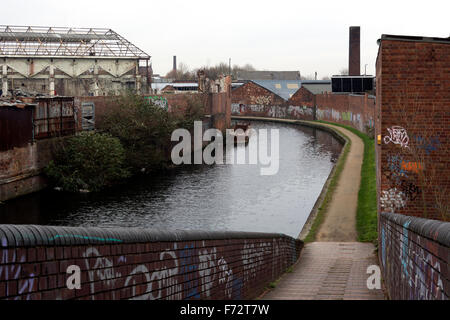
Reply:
x=414, y=256
x=131, y=263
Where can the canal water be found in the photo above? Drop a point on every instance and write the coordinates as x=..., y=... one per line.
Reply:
x=201, y=197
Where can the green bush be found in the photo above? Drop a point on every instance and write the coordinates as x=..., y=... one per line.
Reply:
x=89, y=161
x=194, y=111
x=144, y=129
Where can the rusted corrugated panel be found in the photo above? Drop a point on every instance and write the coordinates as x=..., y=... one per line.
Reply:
x=54, y=117
x=16, y=127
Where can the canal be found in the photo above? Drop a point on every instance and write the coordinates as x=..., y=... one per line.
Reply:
x=201, y=197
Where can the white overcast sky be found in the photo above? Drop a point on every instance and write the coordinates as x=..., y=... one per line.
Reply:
x=307, y=36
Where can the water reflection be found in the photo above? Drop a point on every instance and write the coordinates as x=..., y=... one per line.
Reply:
x=201, y=197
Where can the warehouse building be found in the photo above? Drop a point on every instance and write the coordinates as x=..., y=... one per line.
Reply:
x=70, y=61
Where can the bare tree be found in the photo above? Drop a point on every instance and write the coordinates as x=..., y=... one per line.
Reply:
x=343, y=72
x=182, y=73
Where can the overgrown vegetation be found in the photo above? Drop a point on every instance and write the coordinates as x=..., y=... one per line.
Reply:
x=144, y=129
x=135, y=138
x=89, y=161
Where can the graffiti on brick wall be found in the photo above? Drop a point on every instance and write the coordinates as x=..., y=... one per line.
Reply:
x=410, y=190
x=260, y=100
x=225, y=277
x=277, y=112
x=237, y=108
x=411, y=271
x=392, y=200
x=299, y=112
x=19, y=281
x=253, y=259
x=256, y=108
x=397, y=135
x=428, y=144
x=396, y=170
x=337, y=116
x=101, y=269
x=293, y=112
x=346, y=116
x=158, y=101
x=191, y=272
x=412, y=166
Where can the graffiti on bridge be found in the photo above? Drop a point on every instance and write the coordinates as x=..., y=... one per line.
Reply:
x=191, y=272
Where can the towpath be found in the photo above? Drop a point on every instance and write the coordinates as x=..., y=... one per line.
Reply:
x=335, y=266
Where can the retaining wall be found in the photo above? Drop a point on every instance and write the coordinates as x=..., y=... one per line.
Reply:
x=414, y=256
x=356, y=111
x=133, y=263
x=20, y=168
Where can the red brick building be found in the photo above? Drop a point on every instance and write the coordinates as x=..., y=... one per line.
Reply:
x=303, y=97
x=412, y=126
x=251, y=93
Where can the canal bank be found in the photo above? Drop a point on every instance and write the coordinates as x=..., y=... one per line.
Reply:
x=232, y=197
x=335, y=265
x=316, y=217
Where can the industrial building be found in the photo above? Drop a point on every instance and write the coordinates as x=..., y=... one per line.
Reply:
x=70, y=61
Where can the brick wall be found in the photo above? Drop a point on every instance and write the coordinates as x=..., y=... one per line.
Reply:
x=252, y=94
x=413, y=166
x=414, y=257
x=218, y=105
x=357, y=111
x=20, y=169
x=303, y=97
x=413, y=121
x=253, y=100
x=139, y=264
x=353, y=110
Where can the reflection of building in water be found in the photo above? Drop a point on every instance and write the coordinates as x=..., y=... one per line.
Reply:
x=323, y=140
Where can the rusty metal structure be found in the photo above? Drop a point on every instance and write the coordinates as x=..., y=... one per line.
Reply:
x=69, y=61
x=15, y=117
x=54, y=116
x=30, y=119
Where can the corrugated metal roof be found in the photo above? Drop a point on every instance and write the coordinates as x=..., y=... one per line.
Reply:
x=317, y=88
x=284, y=88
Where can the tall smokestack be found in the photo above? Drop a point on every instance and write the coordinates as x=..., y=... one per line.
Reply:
x=354, y=68
x=174, y=63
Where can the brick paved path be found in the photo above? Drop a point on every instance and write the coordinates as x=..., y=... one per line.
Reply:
x=329, y=270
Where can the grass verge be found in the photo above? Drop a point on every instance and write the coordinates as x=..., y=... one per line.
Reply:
x=366, y=215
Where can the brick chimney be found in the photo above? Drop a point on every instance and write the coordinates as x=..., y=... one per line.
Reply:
x=174, y=63
x=354, y=68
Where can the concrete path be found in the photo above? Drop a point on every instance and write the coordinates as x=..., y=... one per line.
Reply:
x=336, y=266
x=340, y=219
